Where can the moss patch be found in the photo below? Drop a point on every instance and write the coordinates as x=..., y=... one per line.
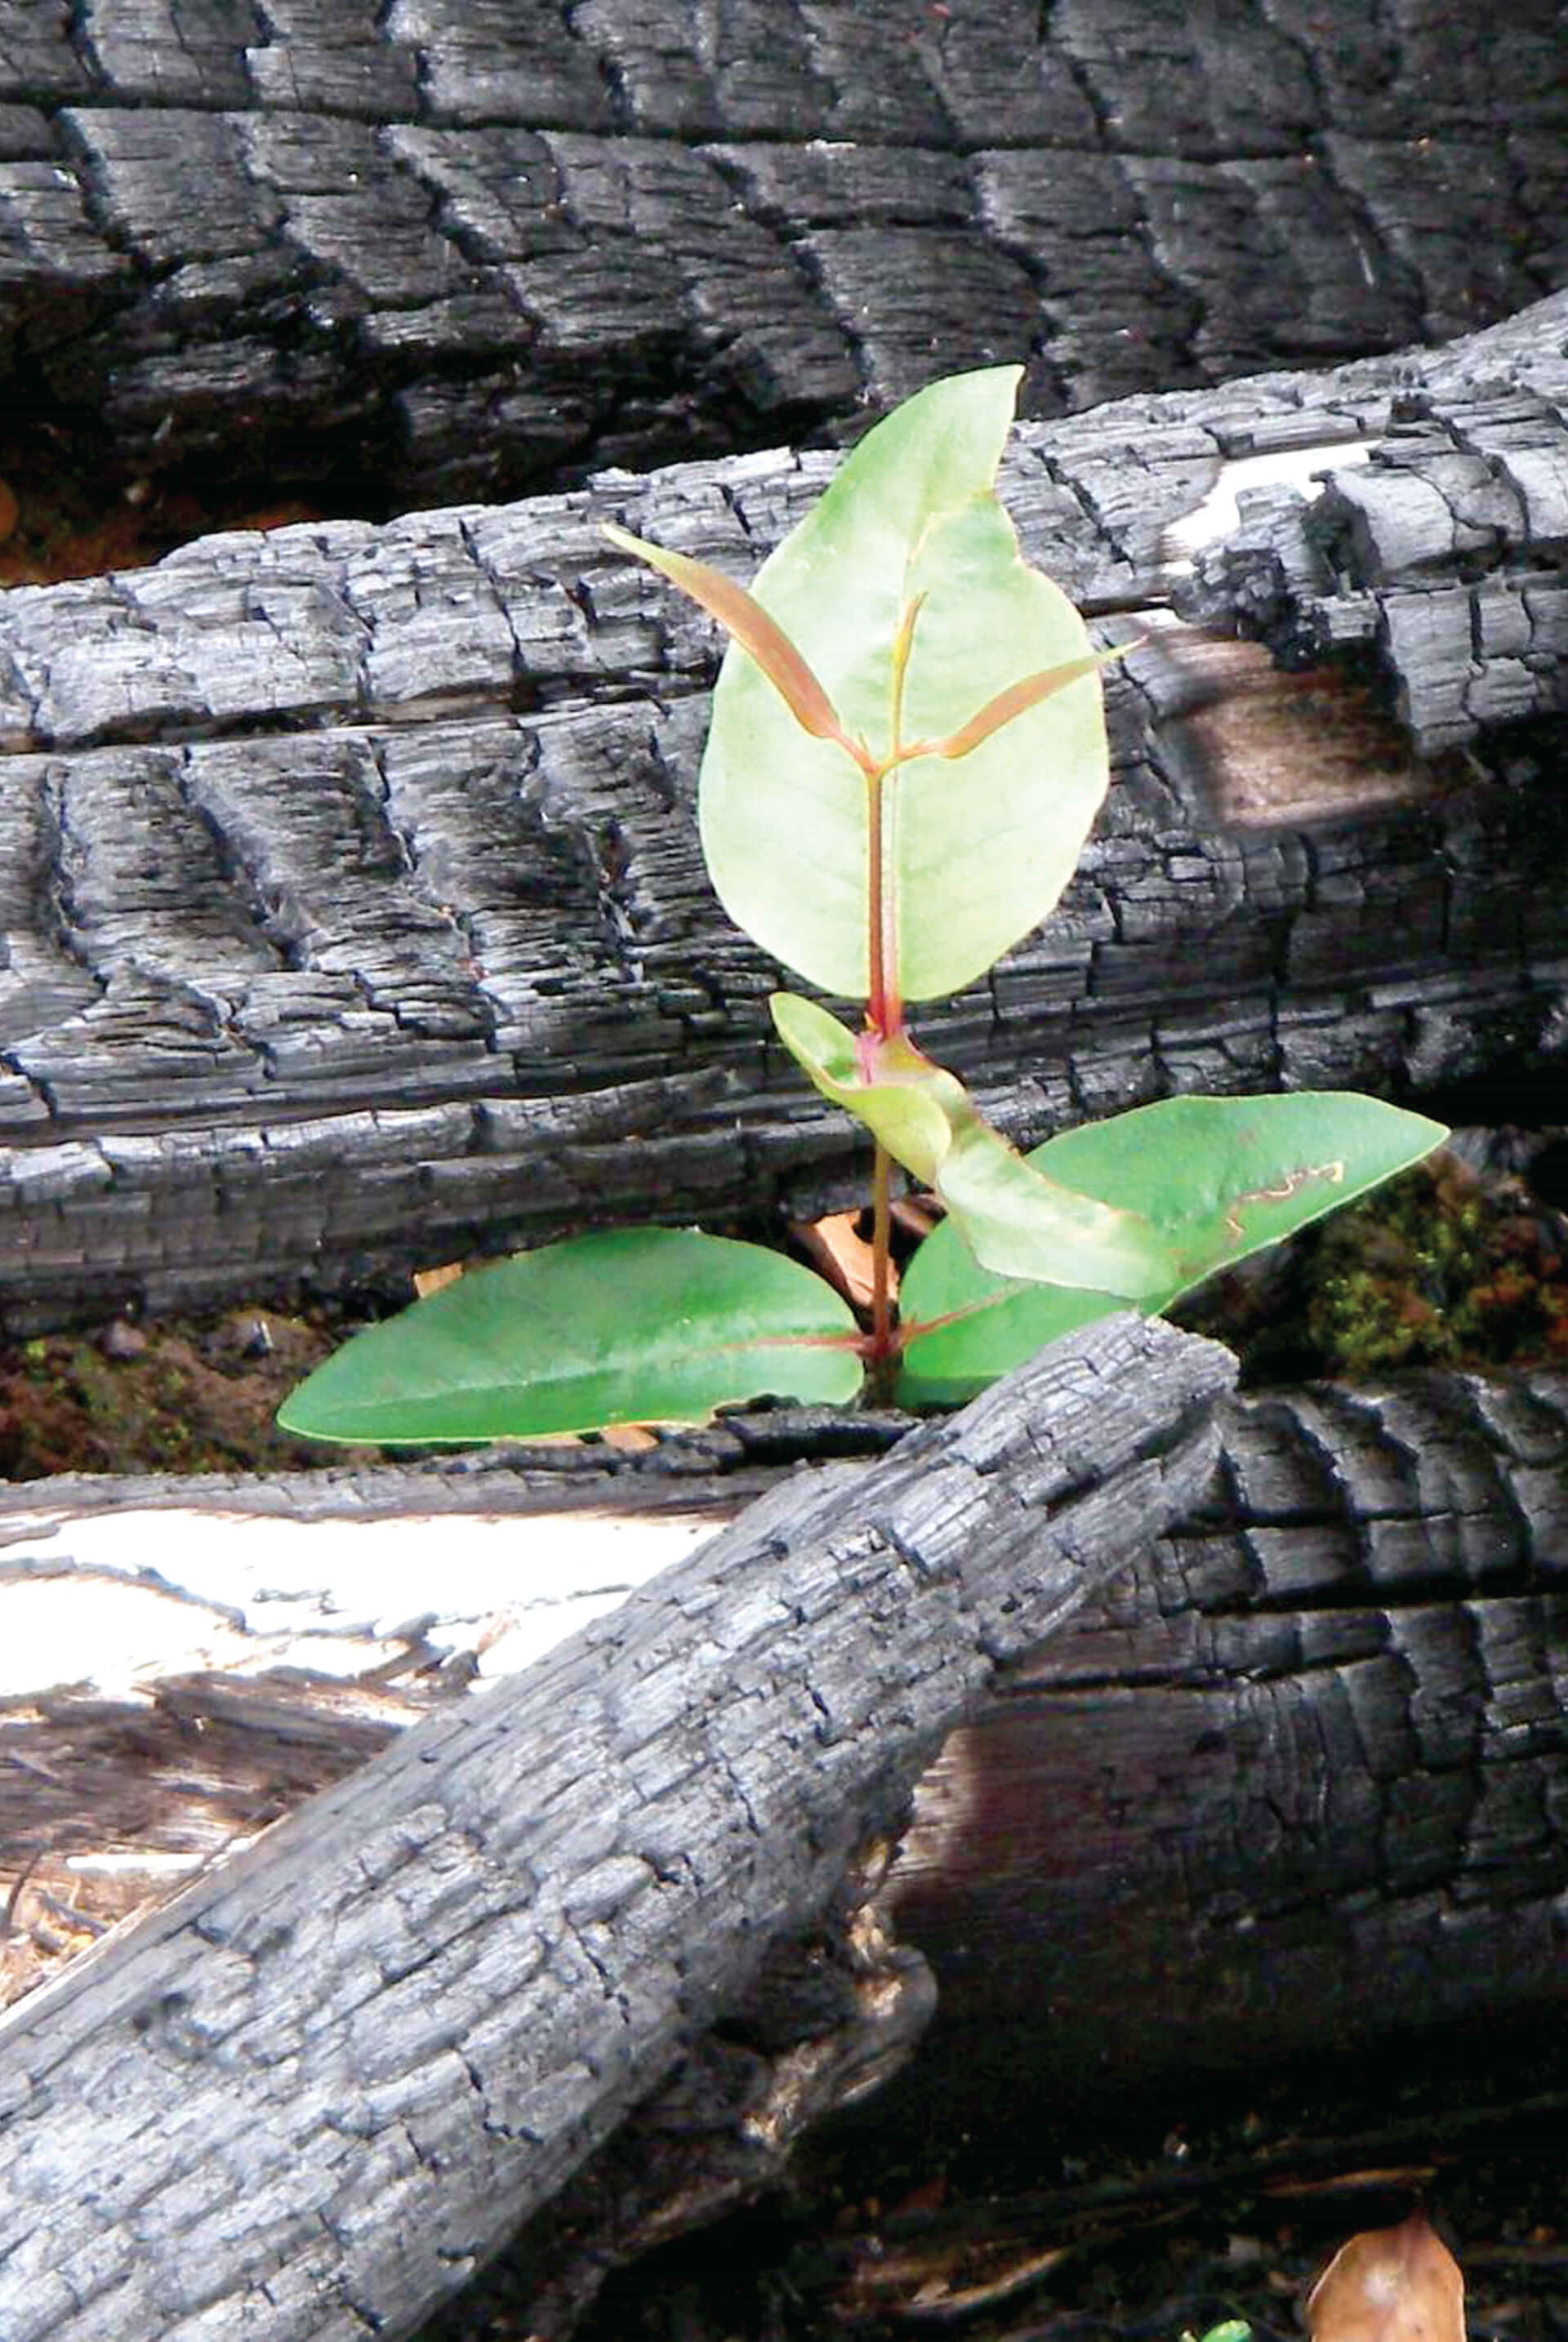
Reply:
x=196, y=1395
x=1439, y=1269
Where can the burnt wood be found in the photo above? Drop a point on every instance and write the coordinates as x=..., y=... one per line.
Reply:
x=1293, y=1790
x=312, y=2095
x=354, y=911
x=1284, y=1801
x=355, y=916
x=438, y=249
x=1288, y=1789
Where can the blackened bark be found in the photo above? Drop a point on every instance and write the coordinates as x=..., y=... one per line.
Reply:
x=1296, y=1787
x=1290, y=1787
x=357, y=918
x=313, y=2095
x=443, y=250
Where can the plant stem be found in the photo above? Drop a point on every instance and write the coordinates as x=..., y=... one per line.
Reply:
x=884, y=1008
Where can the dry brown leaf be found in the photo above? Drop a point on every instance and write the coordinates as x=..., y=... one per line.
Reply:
x=841, y=1255
x=427, y=1281
x=1390, y=2284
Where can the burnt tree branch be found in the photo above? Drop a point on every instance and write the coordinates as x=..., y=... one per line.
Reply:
x=324, y=2086
x=435, y=254
x=1289, y=1785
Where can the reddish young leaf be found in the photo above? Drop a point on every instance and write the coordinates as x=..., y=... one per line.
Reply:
x=1017, y=700
x=1390, y=2284
x=766, y=642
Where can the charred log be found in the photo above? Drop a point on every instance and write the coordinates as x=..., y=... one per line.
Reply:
x=1294, y=1789
x=325, y=2084
x=430, y=252
x=356, y=916
x=1290, y=1787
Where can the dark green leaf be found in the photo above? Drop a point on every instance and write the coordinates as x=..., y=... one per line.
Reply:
x=625, y=1326
x=1217, y=1178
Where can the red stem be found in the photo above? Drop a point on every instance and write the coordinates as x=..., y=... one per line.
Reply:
x=885, y=1010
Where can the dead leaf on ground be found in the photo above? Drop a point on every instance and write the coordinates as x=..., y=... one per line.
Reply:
x=840, y=1253
x=1390, y=2284
x=630, y=1439
x=427, y=1281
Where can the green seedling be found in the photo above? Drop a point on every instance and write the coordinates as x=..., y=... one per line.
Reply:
x=907, y=752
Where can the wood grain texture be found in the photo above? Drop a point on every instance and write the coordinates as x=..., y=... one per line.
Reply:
x=1295, y=1787
x=315, y=2093
x=356, y=917
x=449, y=250
x=1289, y=1786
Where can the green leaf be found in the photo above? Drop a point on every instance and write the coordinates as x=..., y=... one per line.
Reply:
x=1017, y=1223
x=623, y=1326
x=902, y=1097
x=977, y=852
x=1218, y=1178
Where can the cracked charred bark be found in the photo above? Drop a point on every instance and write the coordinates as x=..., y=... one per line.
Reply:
x=1295, y=1785
x=444, y=250
x=1290, y=1789
x=320, y=2088
x=1291, y=1784
x=356, y=913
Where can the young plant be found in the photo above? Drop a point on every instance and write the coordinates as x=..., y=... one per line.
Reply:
x=906, y=753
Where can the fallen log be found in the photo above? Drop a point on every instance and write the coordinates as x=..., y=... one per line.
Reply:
x=1292, y=1791
x=1287, y=1790
x=356, y=917
x=424, y=252
x=324, y=2086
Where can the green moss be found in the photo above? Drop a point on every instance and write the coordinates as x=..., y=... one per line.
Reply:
x=1438, y=1269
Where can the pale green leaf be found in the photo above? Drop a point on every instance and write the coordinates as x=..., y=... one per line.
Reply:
x=977, y=851
x=1018, y=1222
